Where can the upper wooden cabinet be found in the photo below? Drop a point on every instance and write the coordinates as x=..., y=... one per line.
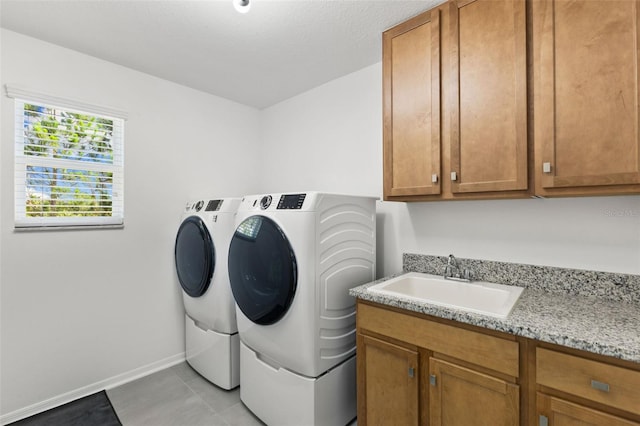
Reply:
x=489, y=92
x=411, y=98
x=477, y=146
x=586, y=85
x=513, y=98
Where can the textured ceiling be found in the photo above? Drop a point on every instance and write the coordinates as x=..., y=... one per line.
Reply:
x=277, y=50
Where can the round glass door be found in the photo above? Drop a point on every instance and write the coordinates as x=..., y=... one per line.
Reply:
x=262, y=270
x=195, y=256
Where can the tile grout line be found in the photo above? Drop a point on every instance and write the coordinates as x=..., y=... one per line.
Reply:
x=202, y=399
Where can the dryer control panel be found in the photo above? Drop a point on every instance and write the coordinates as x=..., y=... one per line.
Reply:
x=291, y=201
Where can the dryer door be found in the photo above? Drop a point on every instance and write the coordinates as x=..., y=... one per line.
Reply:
x=195, y=256
x=262, y=270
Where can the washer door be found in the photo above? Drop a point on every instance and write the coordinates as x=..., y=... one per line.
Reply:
x=195, y=256
x=262, y=270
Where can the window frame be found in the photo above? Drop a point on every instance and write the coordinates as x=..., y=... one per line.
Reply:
x=22, y=222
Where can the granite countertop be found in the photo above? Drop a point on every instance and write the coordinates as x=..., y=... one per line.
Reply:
x=582, y=322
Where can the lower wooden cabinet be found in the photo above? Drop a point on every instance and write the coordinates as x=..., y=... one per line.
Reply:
x=595, y=381
x=462, y=396
x=417, y=369
x=389, y=388
x=558, y=412
x=591, y=384
x=412, y=370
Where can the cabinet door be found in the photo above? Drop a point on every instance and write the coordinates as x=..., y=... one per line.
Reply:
x=489, y=92
x=388, y=383
x=460, y=396
x=586, y=103
x=557, y=412
x=411, y=104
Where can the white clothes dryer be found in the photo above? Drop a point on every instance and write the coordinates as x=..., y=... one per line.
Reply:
x=201, y=249
x=292, y=260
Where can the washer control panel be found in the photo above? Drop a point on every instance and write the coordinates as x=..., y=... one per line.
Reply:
x=291, y=201
x=213, y=206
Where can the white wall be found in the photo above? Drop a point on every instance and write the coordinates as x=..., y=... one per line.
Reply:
x=330, y=139
x=120, y=310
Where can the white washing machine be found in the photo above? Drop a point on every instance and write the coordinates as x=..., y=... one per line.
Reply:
x=201, y=249
x=292, y=260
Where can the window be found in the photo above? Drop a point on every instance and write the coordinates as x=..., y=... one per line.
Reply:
x=68, y=163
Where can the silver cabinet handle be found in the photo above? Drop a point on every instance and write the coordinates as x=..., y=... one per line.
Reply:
x=601, y=386
x=432, y=379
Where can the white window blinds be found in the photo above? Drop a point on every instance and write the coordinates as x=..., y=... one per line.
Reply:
x=69, y=165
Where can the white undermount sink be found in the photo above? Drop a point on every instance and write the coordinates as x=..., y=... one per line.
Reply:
x=496, y=300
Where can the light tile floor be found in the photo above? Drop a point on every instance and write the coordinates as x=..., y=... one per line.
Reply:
x=178, y=396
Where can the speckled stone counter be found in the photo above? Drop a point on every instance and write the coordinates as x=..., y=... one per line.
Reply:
x=589, y=316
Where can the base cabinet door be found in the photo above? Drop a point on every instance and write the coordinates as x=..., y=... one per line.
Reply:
x=388, y=383
x=460, y=396
x=558, y=412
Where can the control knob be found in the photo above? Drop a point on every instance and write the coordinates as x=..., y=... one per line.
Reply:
x=265, y=202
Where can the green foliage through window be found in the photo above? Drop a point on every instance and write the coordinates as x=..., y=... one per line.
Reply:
x=68, y=165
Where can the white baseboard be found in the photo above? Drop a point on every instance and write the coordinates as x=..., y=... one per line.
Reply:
x=106, y=384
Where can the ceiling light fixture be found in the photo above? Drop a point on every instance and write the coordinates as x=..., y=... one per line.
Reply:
x=242, y=6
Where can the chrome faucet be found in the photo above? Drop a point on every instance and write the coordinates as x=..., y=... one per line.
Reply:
x=453, y=271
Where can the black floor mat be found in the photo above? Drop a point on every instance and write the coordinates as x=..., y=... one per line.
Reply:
x=92, y=410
